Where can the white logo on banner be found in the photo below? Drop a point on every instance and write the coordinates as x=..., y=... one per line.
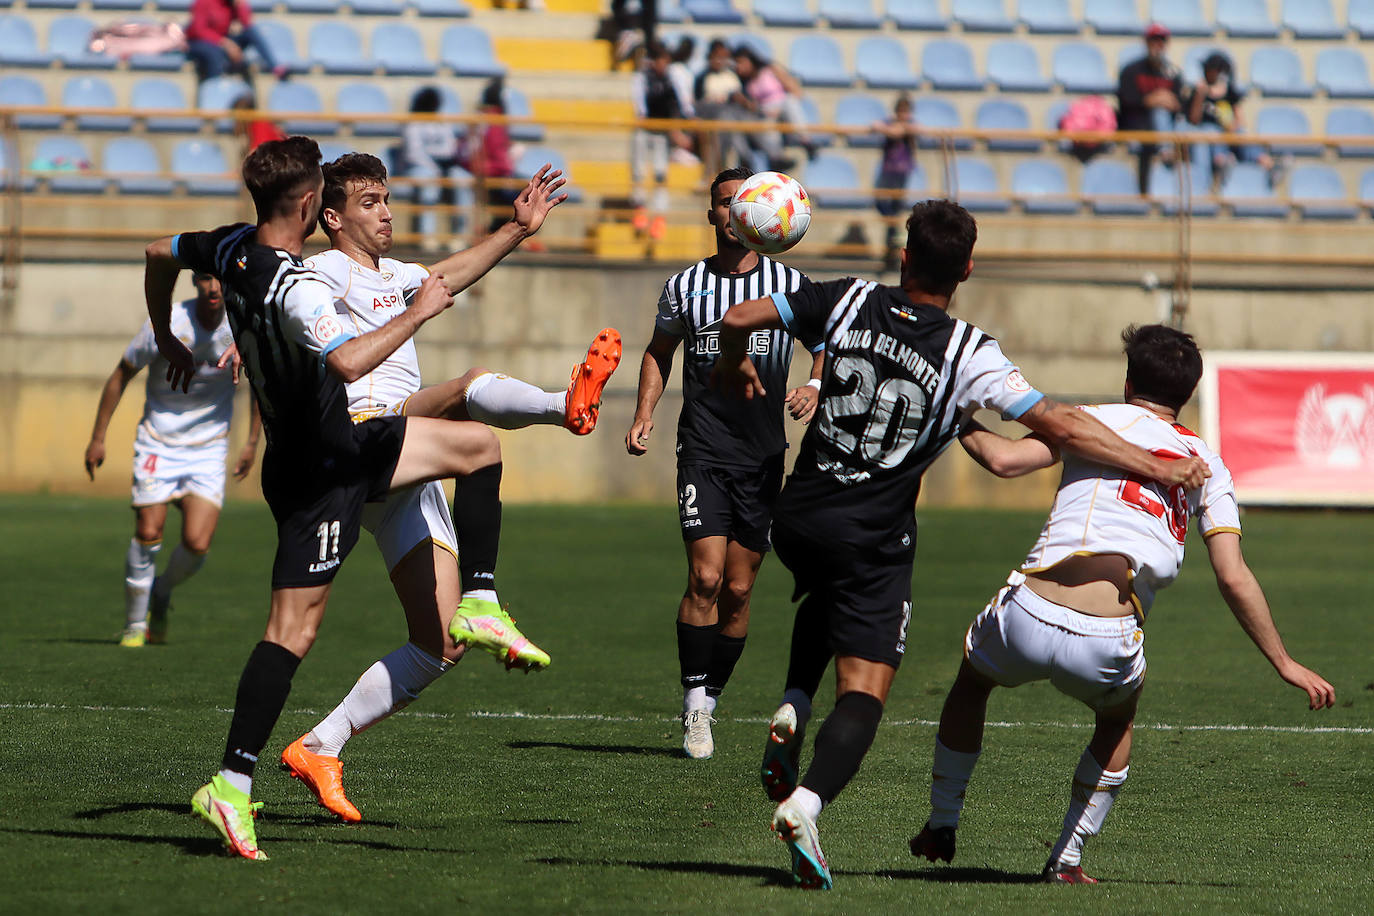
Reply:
x=1336, y=430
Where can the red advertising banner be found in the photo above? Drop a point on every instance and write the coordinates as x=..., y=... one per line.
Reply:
x=1294, y=428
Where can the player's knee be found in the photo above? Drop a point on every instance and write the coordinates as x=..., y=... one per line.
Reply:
x=736, y=594
x=197, y=542
x=704, y=581
x=148, y=532
x=487, y=448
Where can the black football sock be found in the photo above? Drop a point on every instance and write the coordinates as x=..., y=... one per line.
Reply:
x=263, y=688
x=725, y=653
x=810, y=649
x=477, y=523
x=694, y=646
x=842, y=742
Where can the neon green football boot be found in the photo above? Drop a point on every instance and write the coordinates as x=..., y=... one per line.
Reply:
x=231, y=813
x=485, y=625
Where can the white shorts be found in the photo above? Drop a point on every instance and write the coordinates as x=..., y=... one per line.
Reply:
x=371, y=413
x=1021, y=637
x=163, y=473
x=408, y=518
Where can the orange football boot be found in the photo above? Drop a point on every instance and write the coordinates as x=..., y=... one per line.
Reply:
x=323, y=776
x=589, y=379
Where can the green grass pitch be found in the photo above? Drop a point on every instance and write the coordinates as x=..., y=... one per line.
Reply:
x=564, y=791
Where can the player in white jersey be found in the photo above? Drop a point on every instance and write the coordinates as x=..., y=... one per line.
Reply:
x=1072, y=614
x=445, y=612
x=179, y=455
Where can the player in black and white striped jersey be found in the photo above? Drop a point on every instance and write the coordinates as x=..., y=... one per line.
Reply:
x=729, y=451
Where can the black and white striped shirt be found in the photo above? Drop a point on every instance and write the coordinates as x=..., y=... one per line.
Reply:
x=717, y=428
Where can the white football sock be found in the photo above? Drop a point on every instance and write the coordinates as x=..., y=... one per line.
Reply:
x=800, y=702
x=182, y=565
x=693, y=698
x=710, y=704
x=949, y=776
x=388, y=686
x=1094, y=790
x=240, y=781
x=508, y=403
x=139, y=571
x=808, y=801
x=481, y=594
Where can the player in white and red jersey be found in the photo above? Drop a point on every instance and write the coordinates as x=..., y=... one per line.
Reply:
x=448, y=606
x=1073, y=612
x=180, y=450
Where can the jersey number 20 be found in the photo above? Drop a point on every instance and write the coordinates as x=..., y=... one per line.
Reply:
x=893, y=411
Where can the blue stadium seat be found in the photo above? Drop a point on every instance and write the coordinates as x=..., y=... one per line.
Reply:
x=53, y=4
x=1197, y=197
x=1286, y=120
x=816, y=61
x=178, y=6
x=1112, y=190
x=1352, y=122
x=976, y=187
x=219, y=94
x=1367, y=189
x=282, y=41
x=671, y=11
x=123, y=5
x=312, y=7
x=1078, y=67
x=68, y=37
x=1246, y=190
x=1042, y=187
x=1047, y=17
x=1113, y=17
x=1343, y=74
x=300, y=98
x=881, y=63
x=1129, y=53
x=981, y=15
x=518, y=105
x=467, y=51
x=165, y=62
x=69, y=166
x=19, y=44
x=158, y=94
x=949, y=65
x=937, y=114
x=917, y=15
x=917, y=186
x=1013, y=66
x=1311, y=19
x=1246, y=19
x=376, y=7
x=832, y=181
x=715, y=11
x=401, y=52
x=1182, y=17
x=786, y=13
x=20, y=91
x=1006, y=114
x=333, y=149
x=199, y=165
x=135, y=165
x=533, y=159
x=338, y=48
x=757, y=43
x=849, y=14
x=861, y=111
x=1053, y=114
x=369, y=99
x=1360, y=15
x=444, y=9
x=1319, y=193
x=1276, y=71
x=93, y=92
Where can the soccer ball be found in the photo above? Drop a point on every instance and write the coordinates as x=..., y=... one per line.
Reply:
x=770, y=212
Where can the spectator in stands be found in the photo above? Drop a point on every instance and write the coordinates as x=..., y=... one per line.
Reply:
x=431, y=149
x=899, y=158
x=492, y=158
x=251, y=130
x=1148, y=95
x=625, y=22
x=216, y=48
x=656, y=94
x=770, y=94
x=1215, y=106
x=719, y=96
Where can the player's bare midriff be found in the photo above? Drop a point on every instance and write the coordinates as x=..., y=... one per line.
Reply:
x=1096, y=584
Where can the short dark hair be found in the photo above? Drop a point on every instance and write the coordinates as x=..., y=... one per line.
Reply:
x=277, y=168
x=738, y=173
x=494, y=94
x=1163, y=364
x=426, y=99
x=363, y=167
x=940, y=236
x=1217, y=61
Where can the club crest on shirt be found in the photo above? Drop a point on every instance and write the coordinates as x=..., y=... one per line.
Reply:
x=1017, y=382
x=327, y=328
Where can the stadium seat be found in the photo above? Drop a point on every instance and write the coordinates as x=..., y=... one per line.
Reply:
x=158, y=94
x=533, y=159
x=861, y=111
x=917, y=15
x=671, y=11
x=849, y=14
x=18, y=90
x=812, y=115
x=1182, y=17
x=466, y=51
x=398, y=48
x=1319, y=193
x=1367, y=189
x=1129, y=53
x=199, y=165
x=135, y=166
x=1246, y=190
x=1053, y=114
x=975, y=187
x=1113, y=17
x=832, y=182
x=518, y=105
x=178, y=6
x=1311, y=19
x=949, y=65
x=1042, y=187
x=1343, y=74
x=312, y=7
x=937, y=114
x=720, y=12
x=122, y=5
x=377, y=7
x=53, y=4
x=1276, y=71
x=165, y=62
x=1286, y=120
x=282, y=41
x=1112, y=190
x=1078, y=67
x=1360, y=15
x=917, y=186
x=19, y=44
x=784, y=13
x=300, y=98
x=882, y=63
x=1006, y=114
x=1352, y=122
x=1013, y=66
x=67, y=166
x=1164, y=190
x=93, y=92
x=981, y=15
x=1246, y=19
x=338, y=48
x=757, y=43
x=333, y=149
x=367, y=99
x=443, y=9
x=816, y=61
x=219, y=94
x=68, y=38
x=1047, y=17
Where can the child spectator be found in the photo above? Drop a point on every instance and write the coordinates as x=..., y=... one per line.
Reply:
x=899, y=159
x=1215, y=107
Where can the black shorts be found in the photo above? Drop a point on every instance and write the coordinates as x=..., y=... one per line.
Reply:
x=736, y=503
x=858, y=601
x=318, y=501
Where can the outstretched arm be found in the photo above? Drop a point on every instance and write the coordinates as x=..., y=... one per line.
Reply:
x=109, y=400
x=160, y=271
x=1003, y=456
x=653, y=376
x=1243, y=595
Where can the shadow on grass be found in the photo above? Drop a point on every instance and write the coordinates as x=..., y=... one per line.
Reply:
x=278, y=815
x=598, y=748
x=539, y=821
x=206, y=846
x=767, y=875
x=954, y=875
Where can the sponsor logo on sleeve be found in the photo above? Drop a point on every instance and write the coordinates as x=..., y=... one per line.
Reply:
x=1017, y=382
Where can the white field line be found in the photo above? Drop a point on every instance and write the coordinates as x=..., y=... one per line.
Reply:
x=748, y=720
